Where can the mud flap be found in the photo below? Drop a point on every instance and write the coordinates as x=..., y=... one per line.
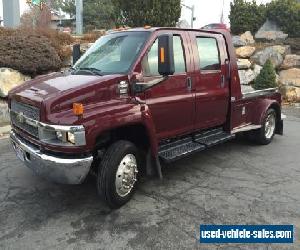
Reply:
x=153, y=167
x=279, y=127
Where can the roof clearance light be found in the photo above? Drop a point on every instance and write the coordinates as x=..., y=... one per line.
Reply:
x=78, y=109
x=147, y=27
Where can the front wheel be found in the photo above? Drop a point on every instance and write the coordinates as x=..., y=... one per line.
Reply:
x=117, y=173
x=266, y=133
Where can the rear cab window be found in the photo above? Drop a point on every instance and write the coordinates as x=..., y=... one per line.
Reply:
x=209, y=54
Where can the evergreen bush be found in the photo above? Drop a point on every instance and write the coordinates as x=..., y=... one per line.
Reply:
x=266, y=78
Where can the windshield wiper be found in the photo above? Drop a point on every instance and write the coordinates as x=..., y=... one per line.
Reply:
x=93, y=70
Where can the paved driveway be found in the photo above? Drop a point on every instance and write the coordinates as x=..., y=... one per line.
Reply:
x=234, y=183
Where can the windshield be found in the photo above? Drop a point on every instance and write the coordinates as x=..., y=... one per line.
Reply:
x=113, y=53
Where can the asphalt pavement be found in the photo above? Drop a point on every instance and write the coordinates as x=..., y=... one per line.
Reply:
x=234, y=183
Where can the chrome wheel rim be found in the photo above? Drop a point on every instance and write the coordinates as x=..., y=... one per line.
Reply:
x=126, y=175
x=270, y=126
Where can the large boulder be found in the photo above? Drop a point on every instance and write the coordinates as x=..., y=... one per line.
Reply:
x=291, y=61
x=246, y=76
x=246, y=89
x=247, y=38
x=274, y=53
x=245, y=51
x=270, y=32
x=282, y=49
x=243, y=40
x=290, y=77
x=238, y=42
x=257, y=69
x=271, y=36
x=291, y=94
x=9, y=79
x=243, y=64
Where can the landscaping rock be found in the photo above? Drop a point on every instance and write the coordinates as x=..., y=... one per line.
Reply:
x=257, y=69
x=243, y=40
x=246, y=76
x=271, y=36
x=282, y=49
x=290, y=77
x=9, y=79
x=291, y=61
x=245, y=51
x=274, y=53
x=243, y=64
x=238, y=42
x=247, y=38
x=246, y=89
x=291, y=94
x=270, y=32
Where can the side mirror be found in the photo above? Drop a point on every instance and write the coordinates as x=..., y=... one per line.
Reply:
x=76, y=53
x=165, y=55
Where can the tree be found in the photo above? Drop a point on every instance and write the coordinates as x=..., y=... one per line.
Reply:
x=246, y=16
x=36, y=18
x=266, y=78
x=286, y=13
x=136, y=13
x=96, y=13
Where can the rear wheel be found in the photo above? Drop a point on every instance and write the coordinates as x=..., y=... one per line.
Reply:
x=117, y=174
x=266, y=133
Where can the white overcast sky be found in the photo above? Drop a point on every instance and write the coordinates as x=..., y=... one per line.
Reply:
x=206, y=11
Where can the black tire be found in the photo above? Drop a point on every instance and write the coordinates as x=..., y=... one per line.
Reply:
x=260, y=134
x=106, y=180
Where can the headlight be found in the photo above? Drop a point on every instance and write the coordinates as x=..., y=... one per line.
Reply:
x=71, y=137
x=62, y=135
x=59, y=135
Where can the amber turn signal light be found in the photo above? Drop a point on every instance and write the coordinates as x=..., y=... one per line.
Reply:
x=78, y=109
x=162, y=55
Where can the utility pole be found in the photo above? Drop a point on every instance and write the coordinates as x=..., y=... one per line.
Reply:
x=11, y=13
x=79, y=16
x=192, y=9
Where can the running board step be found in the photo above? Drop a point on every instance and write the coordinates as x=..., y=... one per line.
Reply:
x=175, y=150
x=213, y=137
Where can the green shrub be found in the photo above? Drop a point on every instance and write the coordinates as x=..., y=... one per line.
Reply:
x=246, y=16
x=58, y=40
x=28, y=53
x=266, y=78
x=286, y=13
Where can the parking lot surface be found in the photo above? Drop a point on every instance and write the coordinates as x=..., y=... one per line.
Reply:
x=234, y=183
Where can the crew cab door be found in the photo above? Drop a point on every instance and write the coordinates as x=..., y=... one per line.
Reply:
x=209, y=79
x=171, y=102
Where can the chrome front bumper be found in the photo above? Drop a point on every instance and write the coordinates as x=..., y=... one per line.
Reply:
x=57, y=169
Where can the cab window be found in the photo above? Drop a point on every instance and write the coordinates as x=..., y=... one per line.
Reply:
x=150, y=61
x=208, y=53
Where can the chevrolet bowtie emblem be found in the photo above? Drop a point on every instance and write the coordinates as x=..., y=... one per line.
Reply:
x=21, y=117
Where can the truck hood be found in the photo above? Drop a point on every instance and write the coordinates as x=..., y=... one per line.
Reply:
x=58, y=91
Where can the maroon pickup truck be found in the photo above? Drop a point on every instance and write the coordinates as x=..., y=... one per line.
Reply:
x=135, y=99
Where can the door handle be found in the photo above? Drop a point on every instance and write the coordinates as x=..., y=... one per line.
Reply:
x=189, y=83
x=222, y=81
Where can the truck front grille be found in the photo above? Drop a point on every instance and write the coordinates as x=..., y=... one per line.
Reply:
x=27, y=111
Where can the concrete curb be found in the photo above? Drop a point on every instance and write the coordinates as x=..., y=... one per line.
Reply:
x=5, y=130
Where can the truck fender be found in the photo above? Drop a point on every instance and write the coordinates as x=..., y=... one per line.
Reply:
x=270, y=104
